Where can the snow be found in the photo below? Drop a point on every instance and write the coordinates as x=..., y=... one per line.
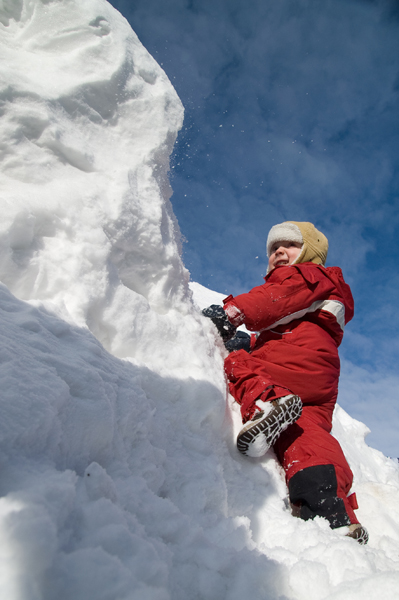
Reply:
x=119, y=473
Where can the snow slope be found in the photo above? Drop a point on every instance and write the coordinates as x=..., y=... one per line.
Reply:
x=119, y=475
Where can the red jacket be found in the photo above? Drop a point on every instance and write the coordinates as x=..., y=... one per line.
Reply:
x=305, y=292
x=300, y=312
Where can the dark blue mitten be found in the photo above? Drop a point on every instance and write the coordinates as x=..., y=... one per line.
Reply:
x=241, y=341
x=219, y=318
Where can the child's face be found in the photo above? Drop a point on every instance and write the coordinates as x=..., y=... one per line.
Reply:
x=284, y=253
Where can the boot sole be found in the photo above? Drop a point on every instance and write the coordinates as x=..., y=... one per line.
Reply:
x=257, y=437
x=360, y=534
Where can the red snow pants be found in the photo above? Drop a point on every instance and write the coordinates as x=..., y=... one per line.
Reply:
x=304, y=361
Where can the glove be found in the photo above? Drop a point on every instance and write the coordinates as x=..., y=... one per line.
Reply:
x=241, y=341
x=219, y=318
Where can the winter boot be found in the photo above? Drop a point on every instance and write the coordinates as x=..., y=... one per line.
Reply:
x=313, y=493
x=271, y=419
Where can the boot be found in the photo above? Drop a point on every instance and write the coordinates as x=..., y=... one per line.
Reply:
x=313, y=493
x=271, y=419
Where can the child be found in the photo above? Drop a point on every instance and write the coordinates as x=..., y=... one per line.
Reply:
x=287, y=383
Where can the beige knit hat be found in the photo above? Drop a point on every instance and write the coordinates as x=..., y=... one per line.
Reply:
x=315, y=243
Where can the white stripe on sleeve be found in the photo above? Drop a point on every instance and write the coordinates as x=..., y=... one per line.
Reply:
x=336, y=308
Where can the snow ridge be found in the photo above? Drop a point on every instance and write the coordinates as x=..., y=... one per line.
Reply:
x=119, y=472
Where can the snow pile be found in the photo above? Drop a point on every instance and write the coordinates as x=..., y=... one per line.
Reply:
x=119, y=474
x=88, y=122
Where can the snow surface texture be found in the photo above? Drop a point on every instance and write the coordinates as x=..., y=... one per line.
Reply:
x=119, y=474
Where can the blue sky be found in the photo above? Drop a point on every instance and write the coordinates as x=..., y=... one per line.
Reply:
x=291, y=112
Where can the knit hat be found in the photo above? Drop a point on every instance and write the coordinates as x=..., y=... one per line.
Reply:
x=314, y=243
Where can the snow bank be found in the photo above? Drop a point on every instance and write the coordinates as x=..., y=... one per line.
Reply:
x=88, y=122
x=119, y=474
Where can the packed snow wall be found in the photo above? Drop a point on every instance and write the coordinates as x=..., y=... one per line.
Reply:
x=89, y=120
x=89, y=239
x=119, y=475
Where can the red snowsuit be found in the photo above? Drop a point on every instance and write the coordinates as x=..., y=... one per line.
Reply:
x=300, y=312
